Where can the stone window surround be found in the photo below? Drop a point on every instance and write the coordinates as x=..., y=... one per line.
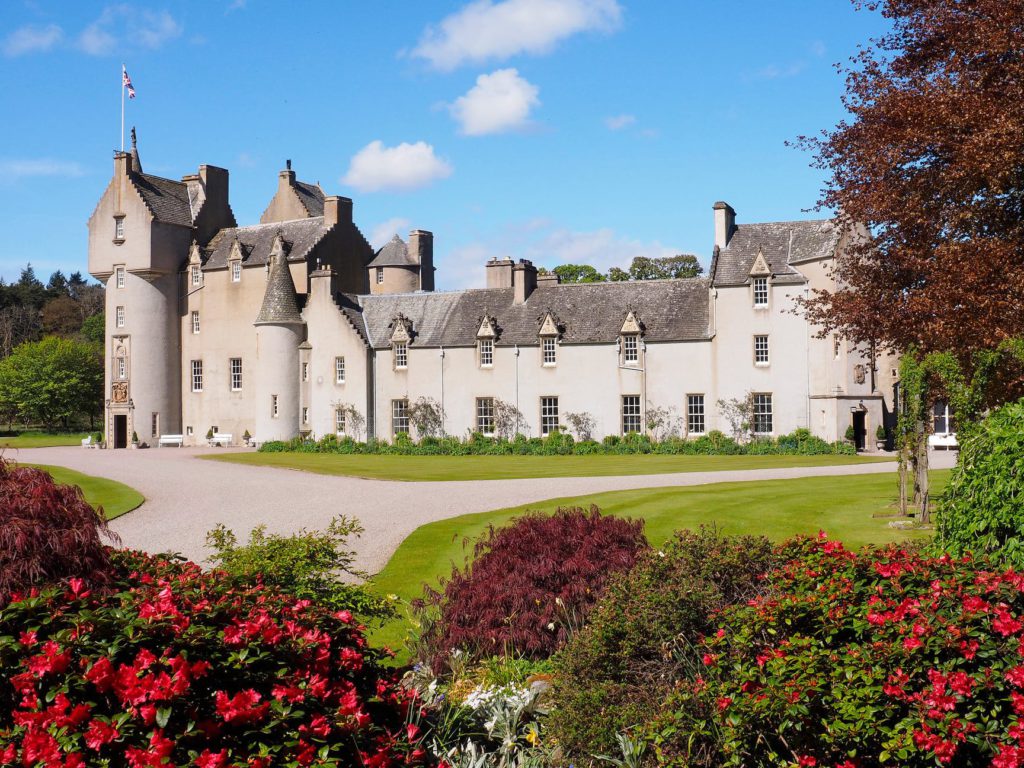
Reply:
x=339, y=369
x=399, y=416
x=119, y=317
x=549, y=351
x=485, y=415
x=630, y=414
x=763, y=415
x=761, y=350
x=235, y=369
x=696, y=423
x=197, y=375
x=119, y=276
x=548, y=414
x=759, y=291
x=485, y=352
x=236, y=271
x=400, y=352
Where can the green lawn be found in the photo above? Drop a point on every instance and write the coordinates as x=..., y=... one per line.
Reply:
x=42, y=439
x=115, y=498
x=852, y=509
x=420, y=468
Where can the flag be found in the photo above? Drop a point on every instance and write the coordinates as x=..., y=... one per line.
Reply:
x=127, y=82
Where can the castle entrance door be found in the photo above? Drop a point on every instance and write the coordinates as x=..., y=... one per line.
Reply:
x=121, y=431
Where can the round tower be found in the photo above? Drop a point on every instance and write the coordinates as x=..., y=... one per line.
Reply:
x=279, y=331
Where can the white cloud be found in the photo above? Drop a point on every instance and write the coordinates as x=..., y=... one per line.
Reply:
x=618, y=122
x=817, y=47
x=484, y=30
x=236, y=5
x=17, y=169
x=123, y=26
x=498, y=102
x=384, y=231
x=777, y=71
x=405, y=167
x=31, y=39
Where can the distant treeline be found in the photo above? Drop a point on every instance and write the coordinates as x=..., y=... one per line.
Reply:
x=70, y=307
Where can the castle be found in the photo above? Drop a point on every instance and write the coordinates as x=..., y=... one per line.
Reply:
x=296, y=326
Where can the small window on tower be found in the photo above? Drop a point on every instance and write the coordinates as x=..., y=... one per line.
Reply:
x=120, y=277
x=195, y=321
x=380, y=275
x=197, y=275
x=119, y=317
x=119, y=229
x=236, y=271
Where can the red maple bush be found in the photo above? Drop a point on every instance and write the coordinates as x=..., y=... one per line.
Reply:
x=48, y=532
x=887, y=657
x=171, y=665
x=530, y=584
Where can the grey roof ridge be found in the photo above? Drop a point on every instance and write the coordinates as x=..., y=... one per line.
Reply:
x=825, y=220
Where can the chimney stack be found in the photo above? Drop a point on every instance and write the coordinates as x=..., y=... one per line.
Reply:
x=421, y=247
x=725, y=223
x=524, y=280
x=337, y=210
x=499, y=272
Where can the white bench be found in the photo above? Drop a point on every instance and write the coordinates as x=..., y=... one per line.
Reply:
x=222, y=438
x=170, y=440
x=87, y=442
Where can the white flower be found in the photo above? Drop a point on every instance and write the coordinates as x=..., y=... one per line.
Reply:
x=551, y=626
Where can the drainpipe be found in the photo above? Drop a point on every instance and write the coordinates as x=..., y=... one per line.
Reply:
x=517, y=377
x=442, y=392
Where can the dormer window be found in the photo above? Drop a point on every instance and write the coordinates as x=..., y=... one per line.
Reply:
x=630, y=349
x=760, y=291
x=197, y=275
x=548, y=350
x=400, y=336
x=401, y=355
x=119, y=228
x=486, y=351
x=236, y=271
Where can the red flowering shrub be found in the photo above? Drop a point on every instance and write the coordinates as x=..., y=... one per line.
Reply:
x=48, y=532
x=881, y=658
x=170, y=665
x=529, y=584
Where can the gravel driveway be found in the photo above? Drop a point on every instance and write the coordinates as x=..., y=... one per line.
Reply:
x=186, y=497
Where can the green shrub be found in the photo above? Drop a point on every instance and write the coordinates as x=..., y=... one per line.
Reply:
x=882, y=658
x=638, y=641
x=981, y=509
x=307, y=565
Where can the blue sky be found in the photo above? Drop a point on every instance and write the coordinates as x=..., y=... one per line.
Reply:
x=558, y=130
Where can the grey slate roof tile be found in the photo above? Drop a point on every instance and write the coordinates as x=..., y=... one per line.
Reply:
x=257, y=241
x=394, y=254
x=670, y=310
x=311, y=197
x=784, y=245
x=167, y=200
x=280, y=304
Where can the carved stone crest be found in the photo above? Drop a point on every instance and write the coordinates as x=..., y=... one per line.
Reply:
x=119, y=392
x=859, y=373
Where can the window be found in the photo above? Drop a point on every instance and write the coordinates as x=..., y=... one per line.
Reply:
x=630, y=348
x=942, y=419
x=339, y=370
x=548, y=415
x=760, y=350
x=154, y=425
x=695, y=414
x=236, y=271
x=119, y=229
x=760, y=291
x=197, y=375
x=486, y=352
x=339, y=420
x=273, y=406
x=399, y=417
x=235, y=364
x=762, y=414
x=119, y=317
x=305, y=415
x=485, y=415
x=119, y=277
x=195, y=321
x=548, y=345
x=122, y=368
x=197, y=275
x=401, y=355
x=630, y=414
x=305, y=371
x=380, y=275
x=836, y=346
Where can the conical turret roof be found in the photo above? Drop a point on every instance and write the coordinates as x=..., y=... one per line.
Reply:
x=279, y=303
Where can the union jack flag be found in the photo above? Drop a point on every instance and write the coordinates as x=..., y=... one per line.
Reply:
x=127, y=82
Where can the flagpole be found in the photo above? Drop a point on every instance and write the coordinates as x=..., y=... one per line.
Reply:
x=122, y=107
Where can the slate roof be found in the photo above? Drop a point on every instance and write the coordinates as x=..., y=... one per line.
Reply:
x=257, y=241
x=670, y=310
x=167, y=200
x=311, y=197
x=784, y=244
x=279, y=301
x=394, y=254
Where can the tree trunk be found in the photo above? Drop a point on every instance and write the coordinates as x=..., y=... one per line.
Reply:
x=904, y=502
x=924, y=501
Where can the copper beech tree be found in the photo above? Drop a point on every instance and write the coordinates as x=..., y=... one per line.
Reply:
x=927, y=174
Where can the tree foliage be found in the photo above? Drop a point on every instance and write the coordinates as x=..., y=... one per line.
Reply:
x=578, y=273
x=50, y=382
x=928, y=173
x=641, y=268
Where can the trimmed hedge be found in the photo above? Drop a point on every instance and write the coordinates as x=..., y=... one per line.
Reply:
x=714, y=443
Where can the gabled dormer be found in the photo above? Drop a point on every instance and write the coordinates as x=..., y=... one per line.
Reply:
x=549, y=333
x=194, y=268
x=486, y=335
x=401, y=337
x=760, y=266
x=630, y=339
x=760, y=278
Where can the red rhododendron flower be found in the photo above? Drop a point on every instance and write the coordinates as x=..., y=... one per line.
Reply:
x=243, y=707
x=100, y=733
